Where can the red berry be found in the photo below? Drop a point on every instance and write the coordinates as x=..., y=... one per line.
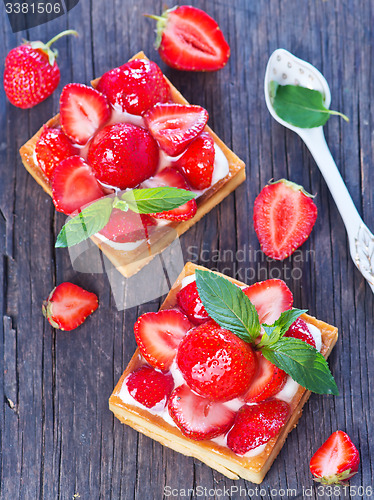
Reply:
x=256, y=424
x=31, y=73
x=135, y=87
x=284, y=216
x=169, y=176
x=150, y=387
x=124, y=227
x=336, y=461
x=189, y=301
x=174, y=126
x=197, y=162
x=159, y=334
x=74, y=185
x=268, y=381
x=299, y=330
x=123, y=155
x=197, y=417
x=189, y=39
x=83, y=110
x=270, y=298
x=68, y=306
x=52, y=147
x=216, y=363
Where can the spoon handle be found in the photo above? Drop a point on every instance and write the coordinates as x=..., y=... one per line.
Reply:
x=361, y=240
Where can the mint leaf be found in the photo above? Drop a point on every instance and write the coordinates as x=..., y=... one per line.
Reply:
x=275, y=331
x=303, y=363
x=156, y=200
x=300, y=106
x=228, y=305
x=89, y=221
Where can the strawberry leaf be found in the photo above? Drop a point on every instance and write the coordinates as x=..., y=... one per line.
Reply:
x=303, y=363
x=156, y=200
x=89, y=221
x=228, y=305
x=300, y=106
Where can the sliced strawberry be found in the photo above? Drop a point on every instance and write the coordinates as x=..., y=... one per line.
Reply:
x=68, y=306
x=123, y=155
x=125, y=227
x=284, y=215
x=299, y=330
x=336, y=461
x=74, y=185
x=189, y=39
x=197, y=162
x=254, y=425
x=169, y=176
x=174, y=126
x=268, y=381
x=270, y=298
x=52, y=147
x=83, y=110
x=197, y=417
x=189, y=301
x=150, y=387
x=135, y=87
x=159, y=334
x=215, y=362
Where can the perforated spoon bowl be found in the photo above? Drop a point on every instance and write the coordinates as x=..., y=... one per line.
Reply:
x=286, y=69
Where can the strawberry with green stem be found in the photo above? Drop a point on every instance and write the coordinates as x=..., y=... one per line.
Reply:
x=31, y=72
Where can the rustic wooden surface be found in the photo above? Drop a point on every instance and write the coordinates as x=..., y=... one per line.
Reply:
x=58, y=439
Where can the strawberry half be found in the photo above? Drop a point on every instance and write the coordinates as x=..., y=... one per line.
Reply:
x=197, y=417
x=270, y=298
x=299, y=330
x=268, y=381
x=68, y=305
x=197, y=162
x=174, y=126
x=169, y=176
x=284, y=215
x=125, y=227
x=189, y=301
x=215, y=362
x=52, y=147
x=150, y=387
x=74, y=185
x=336, y=461
x=135, y=87
x=256, y=424
x=83, y=110
x=159, y=334
x=189, y=39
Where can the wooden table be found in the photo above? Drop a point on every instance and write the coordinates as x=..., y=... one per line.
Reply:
x=58, y=438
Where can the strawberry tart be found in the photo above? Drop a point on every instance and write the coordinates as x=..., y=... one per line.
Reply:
x=202, y=390
x=132, y=129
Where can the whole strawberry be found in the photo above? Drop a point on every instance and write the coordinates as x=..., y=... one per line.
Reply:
x=31, y=72
x=216, y=363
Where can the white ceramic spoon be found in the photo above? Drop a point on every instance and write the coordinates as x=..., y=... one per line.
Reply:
x=286, y=69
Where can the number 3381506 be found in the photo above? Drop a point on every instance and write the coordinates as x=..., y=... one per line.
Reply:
x=33, y=8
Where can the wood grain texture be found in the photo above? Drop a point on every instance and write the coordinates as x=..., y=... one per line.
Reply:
x=57, y=436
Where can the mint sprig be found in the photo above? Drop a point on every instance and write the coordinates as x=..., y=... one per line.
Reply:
x=230, y=307
x=300, y=106
x=95, y=217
